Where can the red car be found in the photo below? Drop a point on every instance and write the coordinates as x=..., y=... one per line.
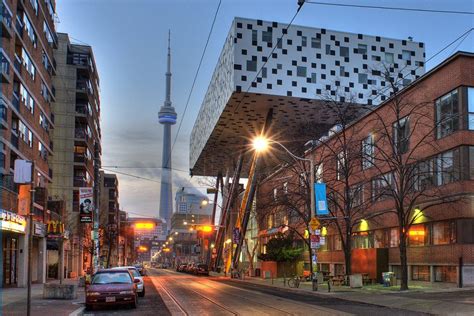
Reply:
x=111, y=287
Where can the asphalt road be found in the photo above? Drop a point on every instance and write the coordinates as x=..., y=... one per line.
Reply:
x=190, y=295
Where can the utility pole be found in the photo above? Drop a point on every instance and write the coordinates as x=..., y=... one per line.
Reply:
x=30, y=238
x=96, y=205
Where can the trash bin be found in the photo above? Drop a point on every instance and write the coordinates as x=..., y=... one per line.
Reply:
x=388, y=278
x=257, y=272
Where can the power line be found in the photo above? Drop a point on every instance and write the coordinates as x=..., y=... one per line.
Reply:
x=150, y=179
x=194, y=81
x=144, y=167
x=284, y=32
x=389, y=8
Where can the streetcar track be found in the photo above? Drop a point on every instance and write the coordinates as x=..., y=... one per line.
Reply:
x=172, y=297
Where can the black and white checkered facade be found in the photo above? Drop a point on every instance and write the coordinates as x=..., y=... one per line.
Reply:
x=308, y=63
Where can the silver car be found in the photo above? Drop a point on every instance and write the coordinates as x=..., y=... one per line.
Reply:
x=136, y=275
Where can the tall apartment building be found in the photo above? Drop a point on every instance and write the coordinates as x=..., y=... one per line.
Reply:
x=307, y=65
x=28, y=38
x=109, y=218
x=77, y=115
x=436, y=128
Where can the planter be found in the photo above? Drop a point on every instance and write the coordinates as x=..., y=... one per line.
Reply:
x=60, y=291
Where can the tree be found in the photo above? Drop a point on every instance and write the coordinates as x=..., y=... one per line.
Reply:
x=281, y=249
x=251, y=252
x=406, y=185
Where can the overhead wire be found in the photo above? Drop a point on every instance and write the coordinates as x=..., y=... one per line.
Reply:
x=194, y=81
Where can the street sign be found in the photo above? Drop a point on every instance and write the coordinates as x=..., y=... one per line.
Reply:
x=315, y=241
x=322, y=240
x=314, y=224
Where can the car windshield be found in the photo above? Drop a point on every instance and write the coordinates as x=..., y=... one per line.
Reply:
x=135, y=273
x=112, y=278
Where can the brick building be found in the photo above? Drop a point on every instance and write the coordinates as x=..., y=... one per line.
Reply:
x=435, y=127
x=28, y=38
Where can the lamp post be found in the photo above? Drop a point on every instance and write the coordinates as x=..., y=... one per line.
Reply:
x=260, y=144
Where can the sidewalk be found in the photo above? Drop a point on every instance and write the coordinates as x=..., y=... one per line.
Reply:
x=433, y=298
x=13, y=301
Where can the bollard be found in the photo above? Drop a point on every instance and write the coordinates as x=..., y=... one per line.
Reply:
x=329, y=286
x=314, y=282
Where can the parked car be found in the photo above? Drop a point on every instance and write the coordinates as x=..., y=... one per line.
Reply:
x=141, y=269
x=201, y=269
x=136, y=275
x=189, y=268
x=181, y=267
x=111, y=287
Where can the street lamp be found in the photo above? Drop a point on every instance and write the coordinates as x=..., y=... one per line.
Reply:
x=261, y=143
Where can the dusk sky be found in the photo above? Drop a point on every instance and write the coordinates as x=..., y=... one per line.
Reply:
x=129, y=39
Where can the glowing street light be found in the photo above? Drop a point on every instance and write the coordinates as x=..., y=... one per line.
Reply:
x=260, y=143
x=207, y=229
x=176, y=233
x=204, y=202
x=144, y=225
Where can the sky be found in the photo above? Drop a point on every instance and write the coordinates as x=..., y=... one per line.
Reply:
x=129, y=39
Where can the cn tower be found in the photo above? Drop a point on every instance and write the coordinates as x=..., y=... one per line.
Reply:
x=167, y=117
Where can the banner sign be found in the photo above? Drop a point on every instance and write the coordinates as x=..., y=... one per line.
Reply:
x=321, y=200
x=24, y=199
x=12, y=222
x=86, y=204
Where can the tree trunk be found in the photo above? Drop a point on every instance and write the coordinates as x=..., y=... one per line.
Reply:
x=348, y=254
x=403, y=262
x=310, y=251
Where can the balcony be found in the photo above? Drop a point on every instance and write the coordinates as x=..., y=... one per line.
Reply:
x=17, y=63
x=81, y=158
x=81, y=134
x=82, y=109
x=16, y=101
x=84, y=86
x=5, y=70
x=19, y=26
x=14, y=140
x=6, y=19
x=3, y=115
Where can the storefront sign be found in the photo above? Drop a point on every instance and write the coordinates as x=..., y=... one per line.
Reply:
x=12, y=222
x=55, y=229
x=39, y=229
x=86, y=204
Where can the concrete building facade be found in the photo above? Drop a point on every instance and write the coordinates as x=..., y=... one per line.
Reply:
x=77, y=113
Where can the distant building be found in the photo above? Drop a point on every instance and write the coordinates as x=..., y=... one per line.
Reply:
x=149, y=234
x=109, y=221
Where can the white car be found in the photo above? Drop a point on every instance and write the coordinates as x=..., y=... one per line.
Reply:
x=136, y=275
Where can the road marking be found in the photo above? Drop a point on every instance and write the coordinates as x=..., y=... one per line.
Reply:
x=170, y=301
x=78, y=311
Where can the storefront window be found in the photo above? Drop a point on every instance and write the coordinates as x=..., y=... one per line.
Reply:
x=337, y=242
x=394, y=237
x=418, y=235
x=363, y=240
x=420, y=273
x=382, y=238
x=444, y=233
x=445, y=274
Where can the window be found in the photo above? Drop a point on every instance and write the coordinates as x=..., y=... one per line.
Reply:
x=29, y=29
x=313, y=77
x=471, y=162
x=362, y=49
x=368, y=151
x=254, y=35
x=445, y=274
x=43, y=121
x=301, y=71
x=401, y=135
x=406, y=54
x=328, y=49
x=381, y=186
x=45, y=61
x=447, y=114
x=444, y=233
x=34, y=4
x=315, y=42
x=418, y=235
x=344, y=51
x=42, y=150
x=448, y=167
x=44, y=91
x=285, y=188
x=319, y=173
x=47, y=33
x=28, y=63
x=425, y=175
x=389, y=58
x=304, y=41
x=27, y=99
x=470, y=107
x=183, y=207
x=363, y=78
x=275, y=194
x=267, y=36
x=394, y=237
x=251, y=65
x=340, y=165
x=25, y=134
x=420, y=273
x=363, y=240
x=357, y=195
x=382, y=238
x=50, y=7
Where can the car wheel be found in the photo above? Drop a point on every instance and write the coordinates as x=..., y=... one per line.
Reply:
x=134, y=304
x=142, y=293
